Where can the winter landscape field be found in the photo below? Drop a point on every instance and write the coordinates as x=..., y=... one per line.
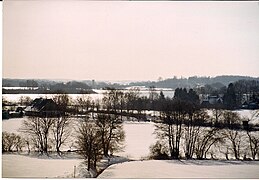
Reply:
x=139, y=137
x=182, y=169
x=130, y=89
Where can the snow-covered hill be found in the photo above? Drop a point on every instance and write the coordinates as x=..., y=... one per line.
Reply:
x=182, y=169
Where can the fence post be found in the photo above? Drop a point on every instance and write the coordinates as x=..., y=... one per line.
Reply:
x=74, y=171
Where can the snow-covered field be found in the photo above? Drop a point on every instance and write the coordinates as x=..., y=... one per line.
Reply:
x=12, y=125
x=139, y=136
x=182, y=169
x=244, y=113
x=14, y=166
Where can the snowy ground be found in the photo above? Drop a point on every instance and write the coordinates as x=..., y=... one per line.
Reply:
x=12, y=125
x=244, y=113
x=139, y=136
x=14, y=166
x=182, y=169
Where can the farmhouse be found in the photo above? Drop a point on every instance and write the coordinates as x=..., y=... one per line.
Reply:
x=42, y=108
x=207, y=100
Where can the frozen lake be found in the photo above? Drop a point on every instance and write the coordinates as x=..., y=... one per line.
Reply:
x=99, y=95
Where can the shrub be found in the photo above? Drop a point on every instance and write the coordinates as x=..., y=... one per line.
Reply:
x=158, y=151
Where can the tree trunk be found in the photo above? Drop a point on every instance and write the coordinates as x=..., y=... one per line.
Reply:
x=88, y=163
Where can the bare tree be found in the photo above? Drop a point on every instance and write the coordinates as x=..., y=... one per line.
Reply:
x=111, y=132
x=7, y=142
x=253, y=137
x=61, y=130
x=61, y=125
x=25, y=100
x=38, y=128
x=62, y=101
x=130, y=97
x=11, y=142
x=253, y=143
x=153, y=98
x=84, y=101
x=28, y=141
x=113, y=100
x=19, y=143
x=121, y=103
x=231, y=120
x=235, y=138
x=196, y=119
x=231, y=133
x=89, y=143
x=171, y=128
x=207, y=137
x=95, y=106
x=217, y=115
x=153, y=95
x=110, y=100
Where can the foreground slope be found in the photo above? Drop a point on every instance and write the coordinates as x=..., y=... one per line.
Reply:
x=19, y=166
x=182, y=169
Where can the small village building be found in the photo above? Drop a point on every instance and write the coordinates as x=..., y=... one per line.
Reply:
x=208, y=100
x=11, y=110
x=43, y=108
x=250, y=105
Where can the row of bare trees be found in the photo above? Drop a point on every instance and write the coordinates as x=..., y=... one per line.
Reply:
x=43, y=131
x=97, y=134
x=120, y=102
x=39, y=134
x=12, y=142
x=186, y=128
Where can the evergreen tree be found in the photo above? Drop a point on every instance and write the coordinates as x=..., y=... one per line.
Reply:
x=230, y=97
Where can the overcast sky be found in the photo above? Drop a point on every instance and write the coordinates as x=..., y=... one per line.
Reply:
x=129, y=40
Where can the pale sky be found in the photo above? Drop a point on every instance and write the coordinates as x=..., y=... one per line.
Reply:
x=129, y=40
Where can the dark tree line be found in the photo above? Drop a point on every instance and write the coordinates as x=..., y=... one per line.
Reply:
x=236, y=94
x=242, y=92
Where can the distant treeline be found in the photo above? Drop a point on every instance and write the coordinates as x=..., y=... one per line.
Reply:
x=34, y=87
x=190, y=82
x=193, y=81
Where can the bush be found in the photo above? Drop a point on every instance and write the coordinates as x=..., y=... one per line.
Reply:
x=11, y=142
x=158, y=152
